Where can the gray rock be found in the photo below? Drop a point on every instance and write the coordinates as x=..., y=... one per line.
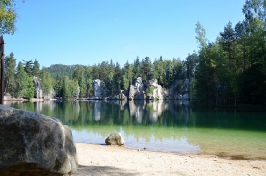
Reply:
x=136, y=90
x=51, y=95
x=38, y=93
x=158, y=92
x=34, y=144
x=132, y=92
x=97, y=88
x=115, y=139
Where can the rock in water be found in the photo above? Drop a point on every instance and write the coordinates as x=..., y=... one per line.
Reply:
x=34, y=144
x=114, y=139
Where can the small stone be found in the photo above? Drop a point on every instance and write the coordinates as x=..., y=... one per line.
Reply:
x=115, y=139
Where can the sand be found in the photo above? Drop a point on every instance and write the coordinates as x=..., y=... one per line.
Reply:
x=114, y=160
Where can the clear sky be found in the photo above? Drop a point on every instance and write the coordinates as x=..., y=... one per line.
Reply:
x=91, y=31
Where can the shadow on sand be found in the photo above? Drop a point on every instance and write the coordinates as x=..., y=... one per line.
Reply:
x=102, y=170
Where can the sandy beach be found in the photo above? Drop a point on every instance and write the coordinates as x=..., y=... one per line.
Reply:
x=98, y=160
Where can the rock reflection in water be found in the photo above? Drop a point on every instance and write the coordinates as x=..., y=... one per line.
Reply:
x=136, y=109
x=155, y=109
x=159, y=125
x=97, y=111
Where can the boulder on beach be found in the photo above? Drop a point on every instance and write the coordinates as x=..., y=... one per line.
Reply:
x=34, y=144
x=115, y=139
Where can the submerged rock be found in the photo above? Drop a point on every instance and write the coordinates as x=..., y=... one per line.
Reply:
x=114, y=139
x=34, y=144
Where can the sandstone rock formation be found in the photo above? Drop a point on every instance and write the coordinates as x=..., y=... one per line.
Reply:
x=115, y=139
x=136, y=90
x=152, y=90
x=156, y=92
x=34, y=144
x=97, y=88
x=38, y=93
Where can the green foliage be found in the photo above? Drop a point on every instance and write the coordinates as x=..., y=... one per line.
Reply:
x=28, y=66
x=79, y=76
x=66, y=88
x=150, y=90
x=24, y=87
x=10, y=64
x=7, y=16
x=60, y=70
x=36, y=68
x=29, y=92
x=46, y=81
x=233, y=69
x=125, y=83
x=230, y=70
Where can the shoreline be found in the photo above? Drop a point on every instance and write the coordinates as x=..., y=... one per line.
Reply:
x=114, y=160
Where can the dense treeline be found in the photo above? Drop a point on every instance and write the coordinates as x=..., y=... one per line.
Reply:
x=115, y=78
x=230, y=70
x=76, y=80
x=19, y=79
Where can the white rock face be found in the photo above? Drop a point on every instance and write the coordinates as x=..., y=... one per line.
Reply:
x=97, y=88
x=38, y=93
x=158, y=92
x=136, y=90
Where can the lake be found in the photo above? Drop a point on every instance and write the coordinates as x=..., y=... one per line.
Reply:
x=168, y=126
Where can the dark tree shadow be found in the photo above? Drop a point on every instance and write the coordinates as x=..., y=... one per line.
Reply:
x=102, y=170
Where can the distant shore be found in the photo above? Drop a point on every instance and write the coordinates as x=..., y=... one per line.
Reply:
x=114, y=160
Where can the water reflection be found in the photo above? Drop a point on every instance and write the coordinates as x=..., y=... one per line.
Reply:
x=97, y=111
x=172, y=126
x=155, y=113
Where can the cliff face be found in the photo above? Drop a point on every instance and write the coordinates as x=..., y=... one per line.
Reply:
x=150, y=91
x=153, y=91
x=136, y=91
x=38, y=93
x=97, y=88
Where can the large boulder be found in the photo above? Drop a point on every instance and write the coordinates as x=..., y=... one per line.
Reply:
x=115, y=139
x=34, y=144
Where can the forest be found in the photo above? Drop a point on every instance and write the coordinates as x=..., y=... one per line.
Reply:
x=229, y=70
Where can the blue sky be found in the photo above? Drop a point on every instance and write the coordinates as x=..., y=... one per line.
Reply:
x=91, y=31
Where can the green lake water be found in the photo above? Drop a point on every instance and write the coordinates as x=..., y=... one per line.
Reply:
x=168, y=126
